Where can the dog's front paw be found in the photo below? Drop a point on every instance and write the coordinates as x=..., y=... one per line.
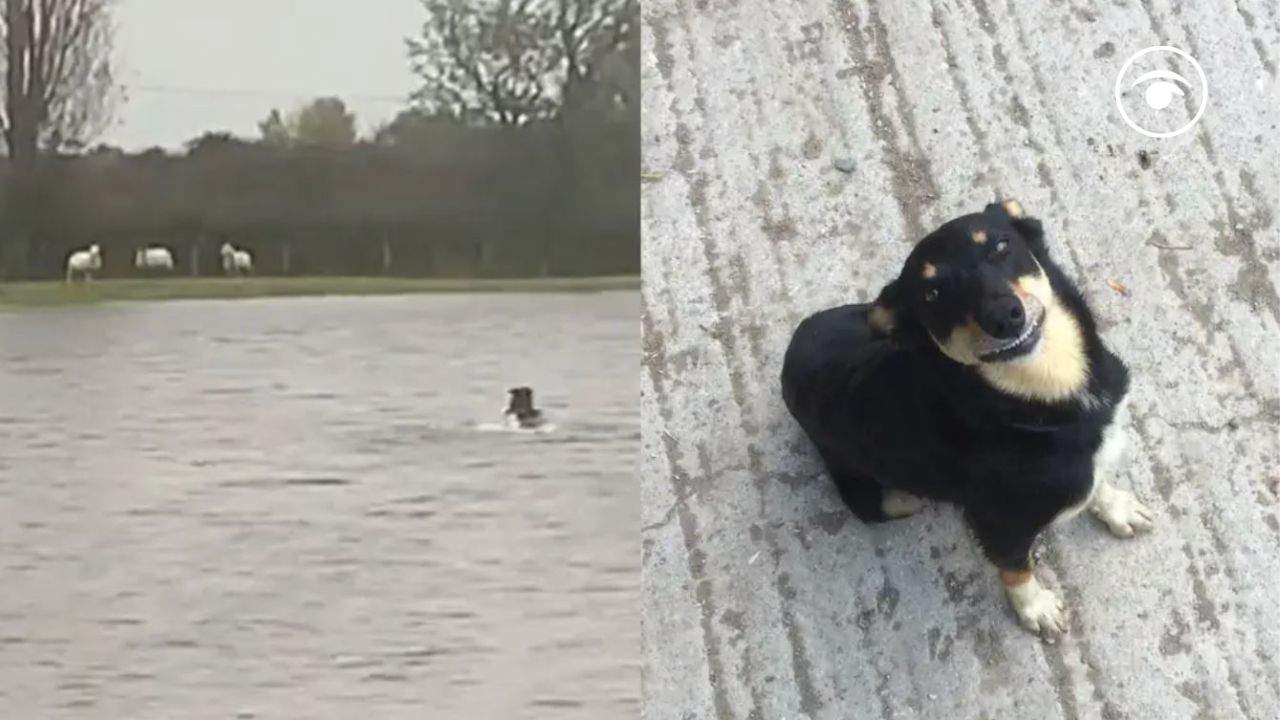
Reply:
x=1039, y=610
x=1123, y=514
x=900, y=503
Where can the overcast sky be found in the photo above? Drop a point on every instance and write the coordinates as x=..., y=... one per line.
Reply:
x=194, y=65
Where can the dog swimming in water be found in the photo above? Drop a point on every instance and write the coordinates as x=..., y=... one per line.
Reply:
x=520, y=413
x=976, y=377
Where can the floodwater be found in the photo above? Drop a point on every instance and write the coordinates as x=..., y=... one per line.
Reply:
x=298, y=508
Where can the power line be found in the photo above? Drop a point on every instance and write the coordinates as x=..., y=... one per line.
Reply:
x=272, y=94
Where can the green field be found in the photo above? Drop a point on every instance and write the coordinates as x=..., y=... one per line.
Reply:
x=47, y=294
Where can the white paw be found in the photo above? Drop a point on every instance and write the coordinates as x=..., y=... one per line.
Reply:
x=899, y=503
x=1038, y=609
x=1123, y=514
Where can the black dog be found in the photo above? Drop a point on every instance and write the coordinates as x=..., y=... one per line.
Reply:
x=976, y=377
x=520, y=413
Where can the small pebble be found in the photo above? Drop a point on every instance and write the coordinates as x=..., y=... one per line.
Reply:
x=845, y=164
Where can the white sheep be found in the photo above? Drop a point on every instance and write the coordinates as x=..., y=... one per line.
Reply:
x=85, y=262
x=153, y=258
x=236, y=261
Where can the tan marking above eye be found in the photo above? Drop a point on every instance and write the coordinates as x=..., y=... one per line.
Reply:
x=979, y=236
x=1014, y=208
x=929, y=271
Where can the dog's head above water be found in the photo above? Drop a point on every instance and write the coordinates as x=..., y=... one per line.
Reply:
x=521, y=399
x=977, y=289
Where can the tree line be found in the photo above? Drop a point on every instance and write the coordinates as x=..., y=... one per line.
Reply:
x=518, y=156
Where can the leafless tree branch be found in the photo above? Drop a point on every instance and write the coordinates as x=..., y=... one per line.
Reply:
x=512, y=61
x=59, y=89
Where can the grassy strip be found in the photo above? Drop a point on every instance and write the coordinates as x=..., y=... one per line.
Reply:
x=52, y=294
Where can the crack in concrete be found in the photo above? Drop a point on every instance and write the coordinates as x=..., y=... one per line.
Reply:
x=810, y=701
x=655, y=348
x=910, y=174
x=962, y=89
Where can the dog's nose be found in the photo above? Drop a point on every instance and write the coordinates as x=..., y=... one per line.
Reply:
x=1003, y=317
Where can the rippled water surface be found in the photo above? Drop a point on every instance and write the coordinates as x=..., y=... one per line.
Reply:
x=292, y=508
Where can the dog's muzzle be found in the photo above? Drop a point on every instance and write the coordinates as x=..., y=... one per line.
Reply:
x=992, y=349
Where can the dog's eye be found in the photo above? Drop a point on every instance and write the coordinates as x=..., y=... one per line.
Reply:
x=931, y=294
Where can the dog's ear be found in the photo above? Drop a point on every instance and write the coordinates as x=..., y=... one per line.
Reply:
x=1029, y=228
x=891, y=317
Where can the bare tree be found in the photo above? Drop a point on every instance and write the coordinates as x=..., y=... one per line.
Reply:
x=513, y=61
x=589, y=31
x=59, y=89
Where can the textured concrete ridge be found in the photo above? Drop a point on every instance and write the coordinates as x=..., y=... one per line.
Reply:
x=793, y=150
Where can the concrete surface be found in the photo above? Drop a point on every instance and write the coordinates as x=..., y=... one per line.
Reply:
x=763, y=598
